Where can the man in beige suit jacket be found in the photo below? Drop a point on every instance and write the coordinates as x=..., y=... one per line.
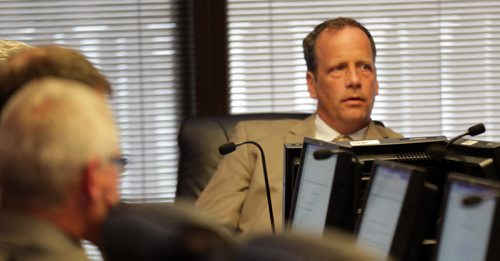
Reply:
x=340, y=57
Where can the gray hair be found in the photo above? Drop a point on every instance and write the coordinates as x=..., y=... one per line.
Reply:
x=49, y=130
x=10, y=47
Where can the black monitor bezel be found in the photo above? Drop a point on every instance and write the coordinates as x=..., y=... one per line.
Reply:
x=412, y=150
x=408, y=217
x=473, y=153
x=291, y=162
x=343, y=197
x=494, y=240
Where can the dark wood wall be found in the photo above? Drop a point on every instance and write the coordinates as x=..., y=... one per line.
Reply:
x=207, y=71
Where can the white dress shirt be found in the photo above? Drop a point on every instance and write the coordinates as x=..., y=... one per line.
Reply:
x=327, y=133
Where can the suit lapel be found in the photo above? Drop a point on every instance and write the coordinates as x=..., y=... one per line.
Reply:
x=300, y=130
x=372, y=133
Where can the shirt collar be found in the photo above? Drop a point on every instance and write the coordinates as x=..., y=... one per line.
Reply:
x=327, y=133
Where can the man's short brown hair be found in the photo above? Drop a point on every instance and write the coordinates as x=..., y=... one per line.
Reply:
x=309, y=42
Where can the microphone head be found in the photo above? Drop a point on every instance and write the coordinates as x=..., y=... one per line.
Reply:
x=476, y=129
x=322, y=154
x=227, y=148
x=471, y=200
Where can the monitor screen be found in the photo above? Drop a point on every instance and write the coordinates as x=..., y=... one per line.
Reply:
x=466, y=229
x=382, y=209
x=325, y=191
x=397, y=211
x=313, y=194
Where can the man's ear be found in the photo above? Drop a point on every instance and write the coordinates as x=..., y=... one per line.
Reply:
x=89, y=180
x=311, y=84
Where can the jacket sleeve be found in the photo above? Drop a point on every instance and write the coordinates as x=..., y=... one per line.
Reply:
x=223, y=197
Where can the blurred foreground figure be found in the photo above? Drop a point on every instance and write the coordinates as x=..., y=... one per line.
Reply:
x=156, y=231
x=334, y=246
x=48, y=61
x=59, y=166
x=9, y=47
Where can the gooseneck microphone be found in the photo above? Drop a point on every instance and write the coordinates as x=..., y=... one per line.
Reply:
x=323, y=154
x=473, y=200
x=229, y=147
x=439, y=152
x=472, y=131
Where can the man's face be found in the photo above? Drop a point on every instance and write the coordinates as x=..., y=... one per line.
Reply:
x=345, y=82
x=102, y=182
x=110, y=186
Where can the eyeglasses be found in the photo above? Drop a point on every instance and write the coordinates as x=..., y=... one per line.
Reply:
x=120, y=162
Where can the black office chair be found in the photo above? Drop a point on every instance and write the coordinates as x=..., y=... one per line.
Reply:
x=199, y=139
x=158, y=231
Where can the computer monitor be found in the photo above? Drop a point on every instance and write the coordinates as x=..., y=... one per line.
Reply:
x=291, y=169
x=396, y=211
x=413, y=150
x=474, y=157
x=407, y=150
x=469, y=230
x=325, y=191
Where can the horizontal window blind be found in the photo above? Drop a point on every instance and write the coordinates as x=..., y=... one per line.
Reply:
x=137, y=46
x=437, y=61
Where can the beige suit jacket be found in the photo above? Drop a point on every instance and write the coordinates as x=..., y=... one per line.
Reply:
x=236, y=194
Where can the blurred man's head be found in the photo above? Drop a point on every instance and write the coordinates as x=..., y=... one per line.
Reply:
x=48, y=61
x=340, y=57
x=9, y=48
x=60, y=156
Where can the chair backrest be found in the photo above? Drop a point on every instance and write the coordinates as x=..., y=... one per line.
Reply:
x=158, y=231
x=199, y=139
